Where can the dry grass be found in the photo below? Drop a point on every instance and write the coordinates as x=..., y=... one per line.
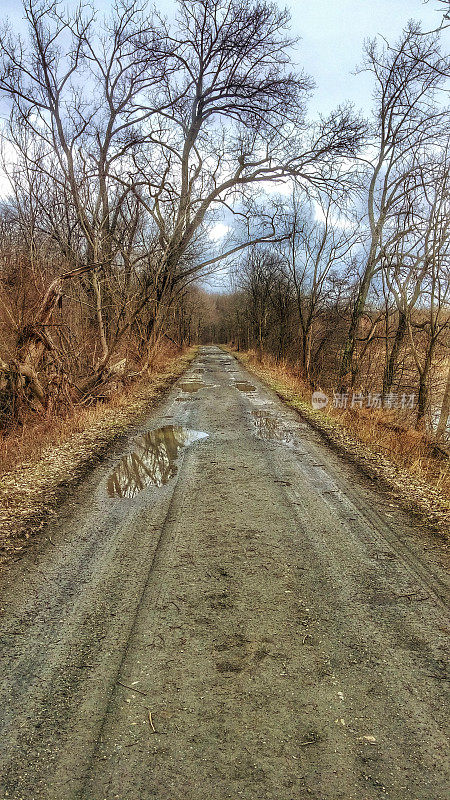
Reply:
x=401, y=457
x=27, y=443
x=40, y=465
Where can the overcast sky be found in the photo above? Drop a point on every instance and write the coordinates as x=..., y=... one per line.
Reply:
x=332, y=33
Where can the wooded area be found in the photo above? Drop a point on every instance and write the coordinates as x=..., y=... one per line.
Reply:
x=129, y=138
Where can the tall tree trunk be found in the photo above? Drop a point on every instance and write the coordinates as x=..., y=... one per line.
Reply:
x=347, y=361
x=422, y=401
x=99, y=315
x=445, y=410
x=306, y=353
x=391, y=365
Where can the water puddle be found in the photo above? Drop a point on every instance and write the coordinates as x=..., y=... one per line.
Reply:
x=191, y=386
x=268, y=427
x=153, y=461
x=244, y=386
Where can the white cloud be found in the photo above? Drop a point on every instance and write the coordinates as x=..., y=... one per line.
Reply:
x=218, y=231
x=338, y=220
x=5, y=186
x=283, y=188
x=8, y=156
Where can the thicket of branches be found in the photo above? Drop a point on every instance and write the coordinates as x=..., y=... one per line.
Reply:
x=127, y=138
x=357, y=291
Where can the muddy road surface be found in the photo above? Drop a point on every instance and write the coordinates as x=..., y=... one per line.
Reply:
x=225, y=608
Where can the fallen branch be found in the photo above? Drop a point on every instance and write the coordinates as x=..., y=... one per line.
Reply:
x=151, y=721
x=132, y=689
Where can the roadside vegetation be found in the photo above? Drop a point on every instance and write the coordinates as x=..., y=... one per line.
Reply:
x=400, y=459
x=38, y=471
x=126, y=137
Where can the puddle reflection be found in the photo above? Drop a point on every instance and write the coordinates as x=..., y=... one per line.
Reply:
x=245, y=386
x=152, y=463
x=268, y=427
x=191, y=385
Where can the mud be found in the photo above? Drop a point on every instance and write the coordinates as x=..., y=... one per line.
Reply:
x=264, y=624
x=268, y=427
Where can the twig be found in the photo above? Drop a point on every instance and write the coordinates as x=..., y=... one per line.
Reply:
x=132, y=689
x=151, y=721
x=412, y=596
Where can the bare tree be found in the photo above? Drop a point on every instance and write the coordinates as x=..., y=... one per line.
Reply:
x=79, y=96
x=418, y=269
x=239, y=123
x=444, y=415
x=316, y=247
x=408, y=122
x=138, y=131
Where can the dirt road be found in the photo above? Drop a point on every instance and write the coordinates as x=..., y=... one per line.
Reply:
x=225, y=609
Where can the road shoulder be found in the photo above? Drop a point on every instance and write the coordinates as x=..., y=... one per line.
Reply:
x=31, y=493
x=429, y=506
